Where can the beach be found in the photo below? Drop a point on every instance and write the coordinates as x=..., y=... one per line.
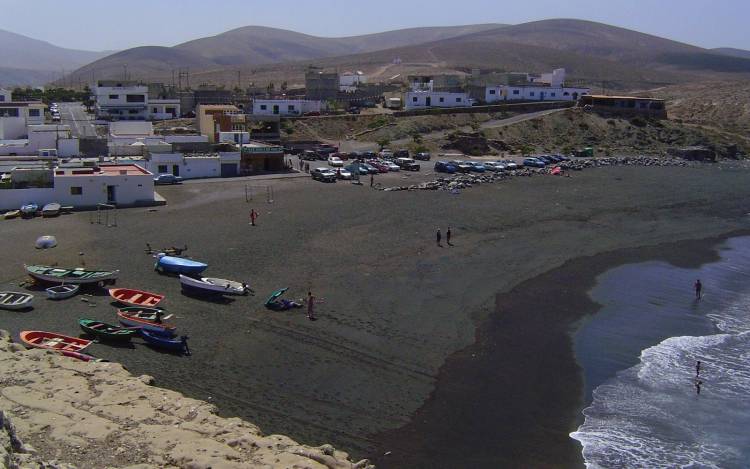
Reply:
x=417, y=348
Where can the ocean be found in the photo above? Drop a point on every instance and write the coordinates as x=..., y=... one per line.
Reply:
x=639, y=355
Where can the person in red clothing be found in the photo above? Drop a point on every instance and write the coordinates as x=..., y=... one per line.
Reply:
x=310, y=306
x=253, y=216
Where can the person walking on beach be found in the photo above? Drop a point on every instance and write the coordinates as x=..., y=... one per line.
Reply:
x=698, y=287
x=253, y=216
x=698, y=384
x=448, y=236
x=372, y=179
x=697, y=368
x=310, y=306
x=439, y=237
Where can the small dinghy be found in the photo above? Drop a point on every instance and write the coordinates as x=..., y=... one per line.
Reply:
x=178, y=265
x=166, y=343
x=12, y=214
x=29, y=210
x=106, y=332
x=54, y=341
x=148, y=319
x=132, y=297
x=217, y=286
x=60, y=292
x=15, y=300
x=51, y=210
x=77, y=276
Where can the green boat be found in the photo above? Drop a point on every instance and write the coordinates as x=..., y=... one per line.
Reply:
x=104, y=331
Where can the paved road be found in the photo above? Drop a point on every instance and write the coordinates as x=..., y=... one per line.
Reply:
x=74, y=115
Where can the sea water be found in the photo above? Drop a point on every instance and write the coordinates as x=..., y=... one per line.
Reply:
x=639, y=357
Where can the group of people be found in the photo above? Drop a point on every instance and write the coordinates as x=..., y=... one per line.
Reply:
x=439, y=237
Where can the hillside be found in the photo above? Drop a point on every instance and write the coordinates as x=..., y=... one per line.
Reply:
x=732, y=52
x=26, y=55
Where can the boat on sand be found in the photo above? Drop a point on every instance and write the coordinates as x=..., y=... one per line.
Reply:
x=179, y=265
x=60, y=292
x=166, y=343
x=77, y=276
x=104, y=331
x=51, y=210
x=15, y=300
x=147, y=319
x=131, y=297
x=218, y=286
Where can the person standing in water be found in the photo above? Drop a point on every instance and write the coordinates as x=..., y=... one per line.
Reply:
x=698, y=287
x=698, y=386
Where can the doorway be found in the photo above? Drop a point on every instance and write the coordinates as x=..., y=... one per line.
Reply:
x=176, y=170
x=111, y=195
x=428, y=101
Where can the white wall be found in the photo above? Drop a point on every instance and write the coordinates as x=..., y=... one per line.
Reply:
x=284, y=107
x=532, y=93
x=5, y=95
x=12, y=128
x=417, y=100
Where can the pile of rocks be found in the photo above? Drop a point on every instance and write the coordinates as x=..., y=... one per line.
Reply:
x=466, y=180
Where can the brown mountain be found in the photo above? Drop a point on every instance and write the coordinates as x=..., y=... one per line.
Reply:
x=732, y=52
x=591, y=51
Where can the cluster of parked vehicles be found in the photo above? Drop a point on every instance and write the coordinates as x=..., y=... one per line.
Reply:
x=543, y=160
x=344, y=165
x=54, y=111
x=456, y=166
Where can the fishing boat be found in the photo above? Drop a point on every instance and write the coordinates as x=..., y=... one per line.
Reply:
x=54, y=341
x=107, y=332
x=146, y=319
x=15, y=300
x=12, y=214
x=29, y=210
x=178, y=265
x=51, y=210
x=128, y=296
x=217, y=286
x=76, y=276
x=60, y=292
x=166, y=343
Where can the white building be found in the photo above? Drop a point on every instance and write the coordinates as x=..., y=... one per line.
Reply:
x=428, y=99
x=42, y=140
x=497, y=93
x=16, y=116
x=285, y=107
x=190, y=166
x=123, y=100
x=80, y=187
x=349, y=81
x=554, y=79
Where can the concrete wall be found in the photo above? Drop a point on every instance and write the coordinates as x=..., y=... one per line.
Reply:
x=12, y=128
x=426, y=99
x=499, y=93
x=284, y=107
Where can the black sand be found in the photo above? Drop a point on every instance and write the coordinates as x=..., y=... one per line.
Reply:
x=396, y=306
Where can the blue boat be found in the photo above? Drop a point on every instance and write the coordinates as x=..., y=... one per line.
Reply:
x=178, y=265
x=166, y=343
x=29, y=209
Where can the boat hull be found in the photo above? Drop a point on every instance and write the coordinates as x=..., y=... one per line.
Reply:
x=132, y=297
x=62, y=292
x=53, y=341
x=77, y=276
x=51, y=210
x=130, y=317
x=165, y=343
x=213, y=286
x=15, y=300
x=178, y=265
x=104, y=331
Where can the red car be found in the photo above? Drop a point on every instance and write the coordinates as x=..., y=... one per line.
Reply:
x=380, y=166
x=343, y=155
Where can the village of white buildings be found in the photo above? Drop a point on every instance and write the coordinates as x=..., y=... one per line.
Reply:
x=44, y=160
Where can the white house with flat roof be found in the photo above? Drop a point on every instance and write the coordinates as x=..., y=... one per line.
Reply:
x=190, y=165
x=427, y=99
x=16, y=116
x=80, y=187
x=285, y=107
x=496, y=93
x=43, y=140
x=121, y=100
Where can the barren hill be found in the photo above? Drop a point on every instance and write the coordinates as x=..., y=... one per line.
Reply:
x=732, y=52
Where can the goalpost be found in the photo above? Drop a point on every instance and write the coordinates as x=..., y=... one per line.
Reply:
x=106, y=214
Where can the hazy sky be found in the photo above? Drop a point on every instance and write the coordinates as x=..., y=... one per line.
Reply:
x=104, y=25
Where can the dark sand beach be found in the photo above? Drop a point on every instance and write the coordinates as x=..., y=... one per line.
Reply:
x=396, y=306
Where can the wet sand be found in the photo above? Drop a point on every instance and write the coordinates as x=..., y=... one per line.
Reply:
x=396, y=306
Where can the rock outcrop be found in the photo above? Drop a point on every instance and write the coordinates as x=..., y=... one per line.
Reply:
x=57, y=412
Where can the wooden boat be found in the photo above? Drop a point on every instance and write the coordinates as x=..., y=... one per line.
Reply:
x=217, y=286
x=53, y=341
x=146, y=319
x=104, y=331
x=132, y=297
x=51, y=210
x=60, y=292
x=166, y=343
x=12, y=214
x=15, y=300
x=76, y=276
x=178, y=265
x=29, y=210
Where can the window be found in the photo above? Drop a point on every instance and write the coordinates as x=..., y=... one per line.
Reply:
x=162, y=169
x=515, y=91
x=492, y=92
x=155, y=111
x=114, y=96
x=643, y=105
x=414, y=99
x=458, y=100
x=263, y=107
x=552, y=94
x=2, y=97
x=566, y=94
x=290, y=107
x=76, y=190
x=135, y=98
x=442, y=100
x=33, y=112
x=133, y=111
x=9, y=112
x=531, y=93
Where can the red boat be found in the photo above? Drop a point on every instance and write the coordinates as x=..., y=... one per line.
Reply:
x=131, y=297
x=51, y=341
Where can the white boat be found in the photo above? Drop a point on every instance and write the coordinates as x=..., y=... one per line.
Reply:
x=51, y=274
x=15, y=300
x=215, y=285
x=61, y=292
x=51, y=210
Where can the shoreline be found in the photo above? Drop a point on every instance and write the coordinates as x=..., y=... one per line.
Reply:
x=551, y=319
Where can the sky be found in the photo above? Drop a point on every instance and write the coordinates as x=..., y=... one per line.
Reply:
x=103, y=25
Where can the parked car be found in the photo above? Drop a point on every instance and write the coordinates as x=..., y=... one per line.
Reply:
x=408, y=164
x=362, y=170
x=370, y=168
x=355, y=155
x=401, y=154
x=534, y=163
x=392, y=166
x=343, y=155
x=495, y=166
x=444, y=167
x=423, y=156
x=477, y=167
x=369, y=155
x=561, y=157
x=379, y=166
x=311, y=114
x=309, y=155
x=343, y=173
x=385, y=153
x=335, y=161
x=353, y=110
x=510, y=165
x=323, y=174
x=461, y=166
x=546, y=159
x=167, y=179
